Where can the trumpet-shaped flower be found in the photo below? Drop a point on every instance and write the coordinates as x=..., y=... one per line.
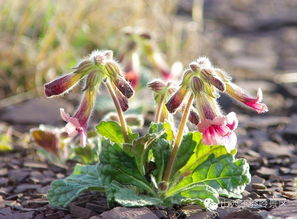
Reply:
x=220, y=130
x=78, y=123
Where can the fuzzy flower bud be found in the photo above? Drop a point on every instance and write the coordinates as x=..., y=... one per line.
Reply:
x=193, y=117
x=197, y=85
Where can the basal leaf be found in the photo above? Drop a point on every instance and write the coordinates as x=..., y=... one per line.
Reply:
x=189, y=143
x=128, y=197
x=119, y=166
x=161, y=151
x=200, y=153
x=225, y=174
x=203, y=195
x=83, y=178
x=141, y=147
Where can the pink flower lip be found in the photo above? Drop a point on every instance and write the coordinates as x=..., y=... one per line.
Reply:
x=255, y=103
x=220, y=131
x=73, y=127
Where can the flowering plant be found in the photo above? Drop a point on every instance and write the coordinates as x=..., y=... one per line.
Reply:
x=167, y=165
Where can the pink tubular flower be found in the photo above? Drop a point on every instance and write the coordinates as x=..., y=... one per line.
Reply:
x=220, y=131
x=255, y=103
x=78, y=123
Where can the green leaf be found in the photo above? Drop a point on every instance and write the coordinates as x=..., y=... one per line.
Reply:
x=225, y=174
x=119, y=166
x=157, y=127
x=141, y=147
x=128, y=197
x=83, y=178
x=161, y=151
x=189, y=142
x=203, y=195
x=200, y=153
x=111, y=130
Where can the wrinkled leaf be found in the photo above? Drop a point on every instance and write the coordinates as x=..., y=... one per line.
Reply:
x=200, y=153
x=83, y=178
x=128, y=197
x=189, y=142
x=161, y=151
x=141, y=147
x=119, y=166
x=203, y=195
x=225, y=174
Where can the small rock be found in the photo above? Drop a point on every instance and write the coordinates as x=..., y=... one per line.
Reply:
x=258, y=186
x=243, y=214
x=80, y=212
x=18, y=175
x=271, y=149
x=266, y=172
x=284, y=210
x=128, y=213
x=25, y=187
x=33, y=111
x=289, y=194
x=37, y=165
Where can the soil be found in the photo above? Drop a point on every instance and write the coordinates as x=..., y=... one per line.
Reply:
x=246, y=37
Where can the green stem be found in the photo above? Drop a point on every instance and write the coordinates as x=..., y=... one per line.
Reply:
x=172, y=158
x=119, y=110
x=159, y=110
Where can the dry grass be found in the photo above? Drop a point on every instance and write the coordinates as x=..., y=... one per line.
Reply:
x=40, y=39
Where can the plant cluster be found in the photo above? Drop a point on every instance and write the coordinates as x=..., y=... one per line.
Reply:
x=168, y=165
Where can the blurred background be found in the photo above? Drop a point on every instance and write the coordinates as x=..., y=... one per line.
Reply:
x=254, y=40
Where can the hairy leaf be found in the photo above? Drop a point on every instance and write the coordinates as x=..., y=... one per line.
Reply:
x=111, y=130
x=189, y=143
x=83, y=178
x=119, y=166
x=203, y=195
x=128, y=197
x=161, y=151
x=225, y=174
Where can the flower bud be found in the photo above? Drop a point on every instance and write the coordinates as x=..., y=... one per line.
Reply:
x=215, y=81
x=157, y=85
x=197, y=85
x=194, y=66
x=193, y=117
x=123, y=86
x=123, y=100
x=113, y=69
x=187, y=76
x=176, y=100
x=62, y=84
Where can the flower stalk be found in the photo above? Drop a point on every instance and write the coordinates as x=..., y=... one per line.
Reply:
x=117, y=104
x=176, y=144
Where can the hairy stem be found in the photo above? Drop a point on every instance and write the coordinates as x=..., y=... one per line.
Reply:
x=159, y=110
x=176, y=144
x=119, y=110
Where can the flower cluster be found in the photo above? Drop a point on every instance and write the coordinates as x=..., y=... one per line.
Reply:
x=97, y=68
x=204, y=82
